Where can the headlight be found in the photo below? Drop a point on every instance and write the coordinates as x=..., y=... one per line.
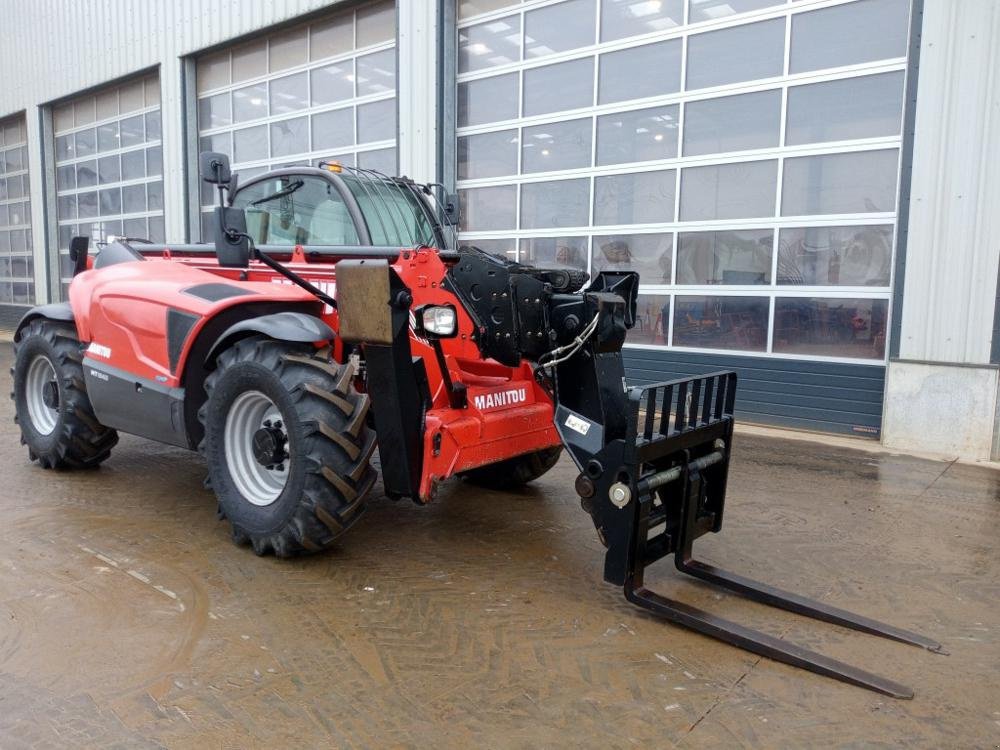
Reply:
x=439, y=321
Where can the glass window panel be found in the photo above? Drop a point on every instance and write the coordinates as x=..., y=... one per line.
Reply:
x=151, y=89
x=3, y=184
x=376, y=73
x=376, y=23
x=17, y=187
x=381, y=160
x=849, y=34
x=505, y=247
x=332, y=37
x=488, y=100
x=729, y=191
x=62, y=118
x=157, y=232
x=250, y=144
x=65, y=147
x=732, y=123
x=215, y=111
x=377, y=121
x=107, y=136
x=626, y=74
x=863, y=107
x=111, y=201
x=289, y=94
x=721, y=322
x=622, y=18
x=154, y=161
x=639, y=198
x=132, y=131
x=130, y=97
x=333, y=83
x=740, y=53
x=154, y=195
x=134, y=228
x=153, y=125
x=648, y=254
x=112, y=227
x=84, y=111
x=86, y=143
x=66, y=207
x=250, y=103
x=557, y=145
x=13, y=132
x=731, y=258
x=558, y=28
x=250, y=61
x=487, y=155
x=65, y=178
x=288, y=137
x=109, y=169
x=134, y=198
x=555, y=252
x=4, y=215
x=468, y=8
x=488, y=44
x=853, y=328
x=134, y=164
x=709, y=10
x=107, y=104
x=561, y=203
x=552, y=88
x=861, y=182
x=835, y=256
x=488, y=208
x=639, y=135
x=333, y=129
x=288, y=49
x=213, y=71
x=86, y=174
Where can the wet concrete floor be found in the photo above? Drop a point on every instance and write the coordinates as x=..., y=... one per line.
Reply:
x=128, y=619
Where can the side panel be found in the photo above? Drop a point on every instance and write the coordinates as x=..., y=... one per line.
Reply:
x=135, y=405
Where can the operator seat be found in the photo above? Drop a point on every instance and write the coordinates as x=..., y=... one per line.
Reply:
x=332, y=225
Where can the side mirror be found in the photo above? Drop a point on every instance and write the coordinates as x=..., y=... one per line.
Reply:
x=214, y=168
x=232, y=246
x=78, y=249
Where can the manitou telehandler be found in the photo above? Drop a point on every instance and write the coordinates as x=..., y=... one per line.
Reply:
x=333, y=315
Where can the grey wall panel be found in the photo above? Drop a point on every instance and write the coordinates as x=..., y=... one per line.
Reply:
x=822, y=396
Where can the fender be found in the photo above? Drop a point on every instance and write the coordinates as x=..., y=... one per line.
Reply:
x=56, y=311
x=282, y=326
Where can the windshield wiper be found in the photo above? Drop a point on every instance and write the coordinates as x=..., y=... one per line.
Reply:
x=287, y=190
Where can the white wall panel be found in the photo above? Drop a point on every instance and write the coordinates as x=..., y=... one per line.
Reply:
x=954, y=232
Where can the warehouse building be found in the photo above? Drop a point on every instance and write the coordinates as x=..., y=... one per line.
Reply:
x=802, y=185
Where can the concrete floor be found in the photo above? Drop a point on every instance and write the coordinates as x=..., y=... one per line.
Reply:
x=128, y=619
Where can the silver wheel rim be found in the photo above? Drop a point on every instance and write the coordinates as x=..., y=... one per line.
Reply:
x=247, y=414
x=40, y=374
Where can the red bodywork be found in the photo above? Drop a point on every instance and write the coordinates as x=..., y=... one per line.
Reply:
x=121, y=311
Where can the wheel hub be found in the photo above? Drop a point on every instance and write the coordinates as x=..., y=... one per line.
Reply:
x=50, y=394
x=269, y=445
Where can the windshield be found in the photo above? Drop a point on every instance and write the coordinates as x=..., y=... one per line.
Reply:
x=394, y=214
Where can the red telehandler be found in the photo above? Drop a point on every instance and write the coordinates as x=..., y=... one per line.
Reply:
x=334, y=314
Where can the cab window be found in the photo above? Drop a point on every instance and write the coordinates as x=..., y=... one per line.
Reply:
x=296, y=210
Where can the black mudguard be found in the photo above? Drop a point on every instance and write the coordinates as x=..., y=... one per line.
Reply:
x=282, y=326
x=56, y=311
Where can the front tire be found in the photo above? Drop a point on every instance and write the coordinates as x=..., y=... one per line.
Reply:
x=52, y=408
x=287, y=444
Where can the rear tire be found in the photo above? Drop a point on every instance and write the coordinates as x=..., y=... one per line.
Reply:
x=514, y=472
x=302, y=494
x=53, y=410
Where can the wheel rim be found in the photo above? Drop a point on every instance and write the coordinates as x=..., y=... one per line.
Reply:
x=249, y=414
x=41, y=378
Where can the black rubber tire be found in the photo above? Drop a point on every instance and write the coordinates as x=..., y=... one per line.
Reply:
x=330, y=475
x=78, y=440
x=514, y=472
